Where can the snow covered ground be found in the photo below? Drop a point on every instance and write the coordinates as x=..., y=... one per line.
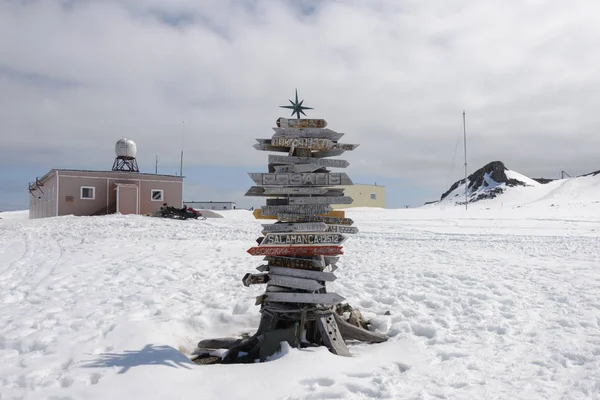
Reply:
x=484, y=304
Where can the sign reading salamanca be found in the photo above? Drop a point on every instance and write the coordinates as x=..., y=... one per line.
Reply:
x=303, y=239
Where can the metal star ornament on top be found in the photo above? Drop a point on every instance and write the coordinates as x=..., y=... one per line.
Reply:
x=297, y=107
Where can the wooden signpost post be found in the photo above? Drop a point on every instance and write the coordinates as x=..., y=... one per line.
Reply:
x=306, y=240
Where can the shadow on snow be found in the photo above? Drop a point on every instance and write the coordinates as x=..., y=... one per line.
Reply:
x=149, y=355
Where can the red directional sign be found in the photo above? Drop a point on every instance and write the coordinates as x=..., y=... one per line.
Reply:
x=295, y=251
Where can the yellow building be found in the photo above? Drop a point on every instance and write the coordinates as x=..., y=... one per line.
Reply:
x=364, y=196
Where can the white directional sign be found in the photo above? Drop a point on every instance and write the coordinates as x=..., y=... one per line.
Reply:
x=296, y=168
x=301, y=273
x=342, y=229
x=303, y=209
x=321, y=200
x=295, y=227
x=301, y=123
x=296, y=283
x=308, y=179
x=321, y=133
x=303, y=239
x=274, y=159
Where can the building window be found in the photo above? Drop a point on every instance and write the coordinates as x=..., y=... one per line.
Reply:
x=88, y=193
x=373, y=196
x=156, y=194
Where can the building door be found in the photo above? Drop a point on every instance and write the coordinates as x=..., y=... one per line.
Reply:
x=127, y=198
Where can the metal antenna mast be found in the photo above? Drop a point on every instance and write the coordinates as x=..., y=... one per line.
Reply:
x=465, y=140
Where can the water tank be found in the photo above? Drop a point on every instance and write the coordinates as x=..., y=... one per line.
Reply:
x=125, y=148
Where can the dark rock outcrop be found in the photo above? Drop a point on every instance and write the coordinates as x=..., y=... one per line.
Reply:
x=495, y=171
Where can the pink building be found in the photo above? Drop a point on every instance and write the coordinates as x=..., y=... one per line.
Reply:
x=80, y=192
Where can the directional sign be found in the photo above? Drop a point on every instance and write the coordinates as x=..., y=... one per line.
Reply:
x=268, y=147
x=301, y=273
x=293, y=262
x=321, y=200
x=311, y=298
x=304, y=143
x=327, y=153
x=296, y=283
x=275, y=191
x=303, y=239
x=277, y=159
x=321, y=133
x=342, y=229
x=301, y=123
x=317, y=218
x=254, y=279
x=308, y=179
x=300, y=227
x=336, y=215
x=304, y=209
x=331, y=260
x=296, y=168
x=295, y=250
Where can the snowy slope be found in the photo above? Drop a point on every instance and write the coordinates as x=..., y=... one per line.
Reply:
x=514, y=190
x=494, y=304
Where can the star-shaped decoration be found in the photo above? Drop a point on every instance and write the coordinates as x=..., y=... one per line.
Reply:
x=297, y=107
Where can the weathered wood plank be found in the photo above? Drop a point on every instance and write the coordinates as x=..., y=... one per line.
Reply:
x=296, y=168
x=287, y=217
x=307, y=179
x=333, y=214
x=301, y=273
x=321, y=200
x=278, y=202
x=295, y=282
x=323, y=162
x=303, y=209
x=304, y=239
x=218, y=343
x=301, y=123
x=294, y=262
x=307, y=143
x=350, y=331
x=254, y=279
x=294, y=190
x=342, y=229
x=268, y=147
x=293, y=227
x=295, y=250
x=328, y=153
x=310, y=298
x=331, y=335
x=321, y=133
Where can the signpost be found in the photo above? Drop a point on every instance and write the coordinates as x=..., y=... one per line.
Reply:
x=306, y=239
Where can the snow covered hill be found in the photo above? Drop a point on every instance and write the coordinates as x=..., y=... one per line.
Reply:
x=484, y=304
x=494, y=186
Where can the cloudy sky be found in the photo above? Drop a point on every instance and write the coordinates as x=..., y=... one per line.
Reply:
x=394, y=75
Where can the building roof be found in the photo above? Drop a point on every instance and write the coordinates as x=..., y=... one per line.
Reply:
x=53, y=170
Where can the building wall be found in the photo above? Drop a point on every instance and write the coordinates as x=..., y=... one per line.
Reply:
x=211, y=205
x=42, y=201
x=363, y=196
x=68, y=199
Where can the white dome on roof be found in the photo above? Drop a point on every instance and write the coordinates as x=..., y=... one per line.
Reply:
x=125, y=148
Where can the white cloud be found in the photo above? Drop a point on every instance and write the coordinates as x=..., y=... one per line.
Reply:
x=394, y=75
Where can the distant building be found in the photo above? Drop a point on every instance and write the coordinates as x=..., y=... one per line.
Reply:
x=78, y=192
x=363, y=196
x=211, y=205
x=124, y=189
